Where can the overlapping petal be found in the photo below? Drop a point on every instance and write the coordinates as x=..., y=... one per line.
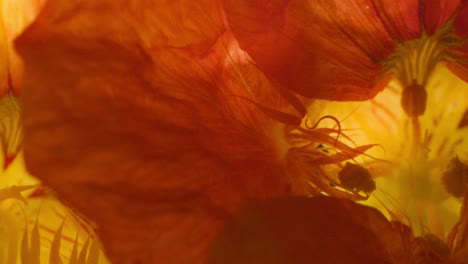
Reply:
x=320, y=49
x=331, y=50
x=128, y=123
x=147, y=121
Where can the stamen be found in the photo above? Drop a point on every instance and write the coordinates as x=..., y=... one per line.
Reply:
x=337, y=122
x=11, y=133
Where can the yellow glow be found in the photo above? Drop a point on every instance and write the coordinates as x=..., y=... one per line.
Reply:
x=47, y=210
x=410, y=187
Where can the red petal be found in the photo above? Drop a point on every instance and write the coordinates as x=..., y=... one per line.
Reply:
x=311, y=230
x=457, y=62
x=403, y=18
x=461, y=21
x=438, y=12
x=322, y=50
x=124, y=117
x=400, y=18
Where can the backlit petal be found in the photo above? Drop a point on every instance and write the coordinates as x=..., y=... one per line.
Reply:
x=436, y=13
x=403, y=19
x=319, y=49
x=400, y=18
x=128, y=124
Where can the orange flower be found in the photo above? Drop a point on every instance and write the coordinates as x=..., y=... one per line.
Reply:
x=148, y=118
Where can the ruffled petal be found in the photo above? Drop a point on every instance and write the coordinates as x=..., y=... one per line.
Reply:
x=319, y=49
x=128, y=123
x=312, y=230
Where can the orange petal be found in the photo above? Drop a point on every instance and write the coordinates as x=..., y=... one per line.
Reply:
x=124, y=117
x=311, y=230
x=321, y=49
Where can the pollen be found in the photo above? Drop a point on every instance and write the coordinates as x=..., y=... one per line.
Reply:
x=455, y=177
x=356, y=178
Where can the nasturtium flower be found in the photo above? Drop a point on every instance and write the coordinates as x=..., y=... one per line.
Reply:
x=158, y=119
x=158, y=131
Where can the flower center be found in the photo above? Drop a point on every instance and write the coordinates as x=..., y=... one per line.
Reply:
x=420, y=189
x=413, y=63
x=314, y=161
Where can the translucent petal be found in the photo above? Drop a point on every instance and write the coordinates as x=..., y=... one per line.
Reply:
x=140, y=122
x=322, y=49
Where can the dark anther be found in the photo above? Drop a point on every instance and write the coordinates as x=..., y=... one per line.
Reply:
x=413, y=100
